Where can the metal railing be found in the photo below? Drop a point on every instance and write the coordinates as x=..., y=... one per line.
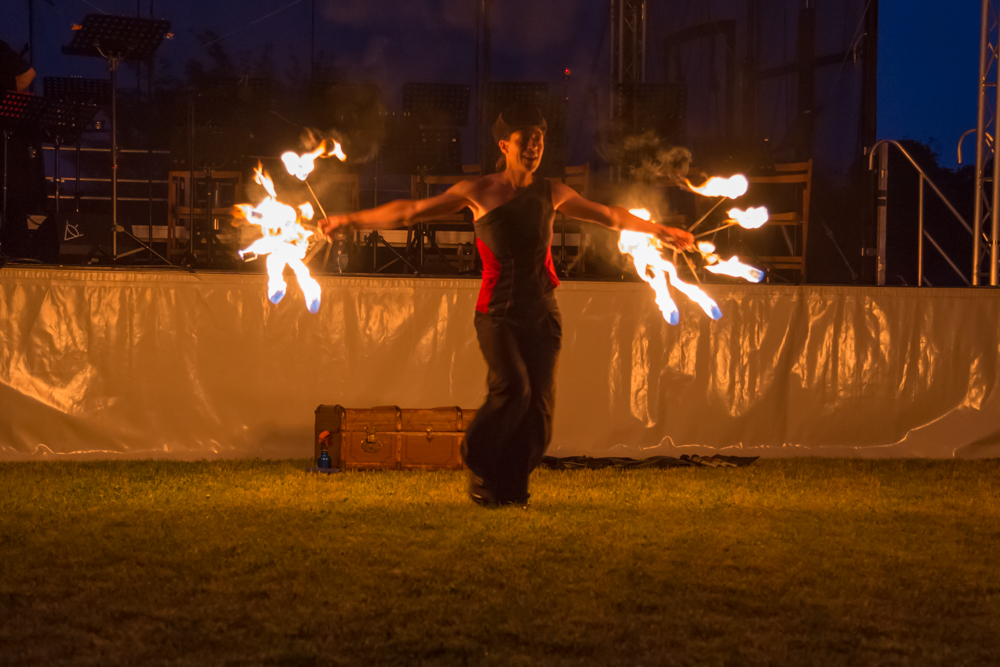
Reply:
x=59, y=181
x=883, y=150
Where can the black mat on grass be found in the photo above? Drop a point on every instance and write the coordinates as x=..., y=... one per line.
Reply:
x=685, y=461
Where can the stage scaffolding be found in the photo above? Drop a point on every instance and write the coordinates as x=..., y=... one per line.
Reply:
x=987, y=203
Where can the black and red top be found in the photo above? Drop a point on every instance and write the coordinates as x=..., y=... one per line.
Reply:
x=515, y=242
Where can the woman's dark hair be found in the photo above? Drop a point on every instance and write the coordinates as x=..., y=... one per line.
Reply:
x=514, y=118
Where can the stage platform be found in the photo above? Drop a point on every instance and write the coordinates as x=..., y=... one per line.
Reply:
x=132, y=364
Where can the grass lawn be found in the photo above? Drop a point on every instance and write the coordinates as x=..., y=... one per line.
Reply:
x=787, y=562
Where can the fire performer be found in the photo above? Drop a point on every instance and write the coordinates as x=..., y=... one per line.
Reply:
x=517, y=319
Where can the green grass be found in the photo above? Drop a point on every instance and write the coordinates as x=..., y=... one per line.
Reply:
x=788, y=562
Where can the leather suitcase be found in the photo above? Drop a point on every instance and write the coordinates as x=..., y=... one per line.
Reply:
x=392, y=438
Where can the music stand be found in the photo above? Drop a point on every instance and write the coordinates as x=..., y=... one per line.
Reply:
x=444, y=104
x=16, y=110
x=80, y=91
x=77, y=89
x=117, y=39
x=64, y=122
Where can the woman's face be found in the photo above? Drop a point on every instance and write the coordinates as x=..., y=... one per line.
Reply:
x=524, y=149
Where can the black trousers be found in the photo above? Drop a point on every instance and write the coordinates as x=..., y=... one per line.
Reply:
x=512, y=430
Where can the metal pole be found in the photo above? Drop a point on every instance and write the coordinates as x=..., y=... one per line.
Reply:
x=487, y=79
x=611, y=43
x=883, y=200
x=31, y=33
x=190, y=182
x=480, y=122
x=3, y=214
x=634, y=76
x=980, y=139
x=149, y=155
x=920, y=239
x=57, y=179
x=643, y=47
x=76, y=175
x=621, y=36
x=995, y=228
x=114, y=159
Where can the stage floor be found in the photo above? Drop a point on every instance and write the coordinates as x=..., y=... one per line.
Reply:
x=149, y=363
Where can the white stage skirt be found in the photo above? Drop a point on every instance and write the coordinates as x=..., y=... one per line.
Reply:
x=156, y=364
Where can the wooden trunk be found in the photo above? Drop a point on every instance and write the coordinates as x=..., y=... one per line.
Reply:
x=392, y=438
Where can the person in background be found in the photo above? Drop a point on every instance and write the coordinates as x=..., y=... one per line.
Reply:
x=15, y=73
x=25, y=177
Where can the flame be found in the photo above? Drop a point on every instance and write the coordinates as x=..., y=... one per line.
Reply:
x=285, y=243
x=337, y=152
x=737, y=269
x=732, y=187
x=300, y=166
x=261, y=177
x=654, y=269
x=752, y=218
x=706, y=247
x=307, y=211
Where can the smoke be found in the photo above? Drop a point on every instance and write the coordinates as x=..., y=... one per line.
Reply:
x=649, y=167
x=647, y=156
x=671, y=164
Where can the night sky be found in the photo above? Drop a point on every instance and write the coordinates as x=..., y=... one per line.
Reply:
x=928, y=50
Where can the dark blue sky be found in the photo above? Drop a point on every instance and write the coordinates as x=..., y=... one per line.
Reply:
x=928, y=69
x=928, y=51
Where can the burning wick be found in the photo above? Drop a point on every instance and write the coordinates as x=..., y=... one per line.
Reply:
x=752, y=218
x=300, y=166
x=732, y=187
x=737, y=269
x=654, y=269
x=285, y=243
x=731, y=267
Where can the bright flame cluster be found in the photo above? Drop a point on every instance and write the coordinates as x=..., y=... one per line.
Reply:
x=645, y=251
x=300, y=166
x=661, y=274
x=285, y=242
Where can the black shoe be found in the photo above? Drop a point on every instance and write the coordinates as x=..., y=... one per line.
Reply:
x=483, y=496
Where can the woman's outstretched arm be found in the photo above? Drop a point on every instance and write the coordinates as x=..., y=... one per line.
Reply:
x=569, y=202
x=402, y=212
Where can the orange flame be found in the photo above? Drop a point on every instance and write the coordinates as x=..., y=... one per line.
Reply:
x=655, y=270
x=732, y=187
x=285, y=243
x=300, y=166
x=737, y=269
x=752, y=218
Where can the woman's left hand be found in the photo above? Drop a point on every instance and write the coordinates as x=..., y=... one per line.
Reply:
x=329, y=226
x=681, y=239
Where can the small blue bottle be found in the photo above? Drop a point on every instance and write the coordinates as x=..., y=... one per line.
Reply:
x=324, y=460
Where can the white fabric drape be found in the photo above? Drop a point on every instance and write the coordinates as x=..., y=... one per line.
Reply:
x=136, y=364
